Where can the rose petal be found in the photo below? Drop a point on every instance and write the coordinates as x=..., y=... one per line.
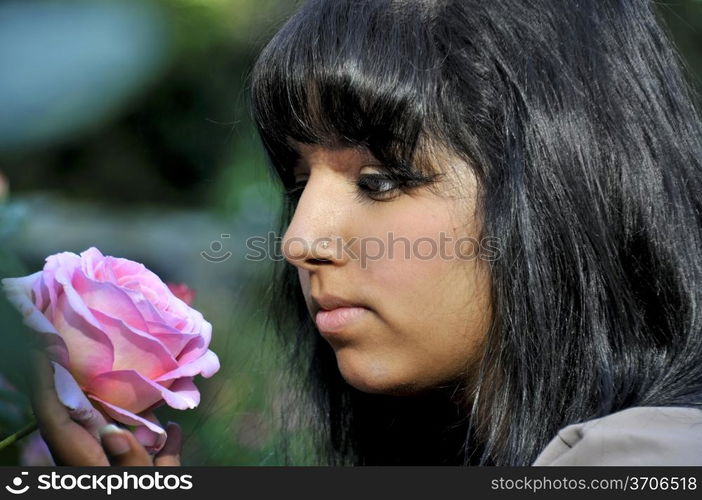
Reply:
x=40, y=293
x=67, y=261
x=136, y=276
x=53, y=288
x=89, y=349
x=126, y=389
x=134, y=349
x=180, y=321
x=186, y=389
x=65, y=279
x=89, y=259
x=93, y=265
x=197, y=347
x=171, y=338
x=19, y=294
x=78, y=405
x=206, y=365
x=149, y=431
x=194, y=322
x=152, y=441
x=152, y=292
x=131, y=391
x=152, y=307
x=109, y=299
x=146, y=308
x=103, y=272
x=175, y=305
x=58, y=270
x=55, y=348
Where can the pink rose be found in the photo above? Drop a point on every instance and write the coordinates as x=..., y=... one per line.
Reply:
x=116, y=333
x=182, y=291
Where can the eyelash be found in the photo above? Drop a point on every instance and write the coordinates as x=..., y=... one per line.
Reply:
x=364, y=183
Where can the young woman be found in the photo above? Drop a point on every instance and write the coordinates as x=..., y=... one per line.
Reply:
x=493, y=235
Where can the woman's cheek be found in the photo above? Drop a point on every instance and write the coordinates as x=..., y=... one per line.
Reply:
x=433, y=318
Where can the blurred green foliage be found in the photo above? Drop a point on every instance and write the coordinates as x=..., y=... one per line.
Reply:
x=186, y=140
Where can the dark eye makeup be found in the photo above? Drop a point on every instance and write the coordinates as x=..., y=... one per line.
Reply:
x=374, y=187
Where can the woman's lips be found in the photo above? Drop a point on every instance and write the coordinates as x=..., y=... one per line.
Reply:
x=338, y=319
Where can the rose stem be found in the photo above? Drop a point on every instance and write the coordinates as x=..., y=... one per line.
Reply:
x=27, y=429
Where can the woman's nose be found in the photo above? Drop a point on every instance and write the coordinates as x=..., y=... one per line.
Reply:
x=312, y=237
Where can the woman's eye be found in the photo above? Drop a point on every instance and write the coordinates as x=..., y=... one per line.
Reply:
x=374, y=187
x=378, y=186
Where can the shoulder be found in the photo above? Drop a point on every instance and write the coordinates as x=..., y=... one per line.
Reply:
x=642, y=435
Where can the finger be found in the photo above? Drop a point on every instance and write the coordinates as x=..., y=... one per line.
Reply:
x=80, y=409
x=170, y=454
x=122, y=447
x=67, y=441
x=50, y=413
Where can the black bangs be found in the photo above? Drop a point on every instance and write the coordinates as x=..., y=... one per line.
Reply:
x=352, y=73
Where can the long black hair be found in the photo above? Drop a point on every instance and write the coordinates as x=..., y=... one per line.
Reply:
x=582, y=131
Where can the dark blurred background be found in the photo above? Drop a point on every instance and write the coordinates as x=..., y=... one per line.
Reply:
x=124, y=125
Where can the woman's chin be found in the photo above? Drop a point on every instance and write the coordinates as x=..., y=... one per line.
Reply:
x=376, y=377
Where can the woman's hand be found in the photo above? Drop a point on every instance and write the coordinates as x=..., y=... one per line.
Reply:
x=73, y=445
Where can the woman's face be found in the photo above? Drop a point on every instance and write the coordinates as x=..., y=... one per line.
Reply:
x=424, y=299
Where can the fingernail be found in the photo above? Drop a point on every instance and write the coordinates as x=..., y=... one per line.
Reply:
x=114, y=440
